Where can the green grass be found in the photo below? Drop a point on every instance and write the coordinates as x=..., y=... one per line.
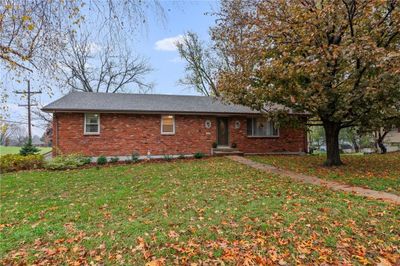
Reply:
x=203, y=211
x=375, y=171
x=14, y=150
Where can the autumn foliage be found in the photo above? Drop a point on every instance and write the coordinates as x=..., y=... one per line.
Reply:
x=337, y=60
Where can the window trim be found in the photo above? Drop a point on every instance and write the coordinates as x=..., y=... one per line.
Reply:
x=173, y=125
x=258, y=136
x=84, y=125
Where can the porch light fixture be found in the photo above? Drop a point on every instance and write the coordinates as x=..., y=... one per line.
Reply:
x=237, y=124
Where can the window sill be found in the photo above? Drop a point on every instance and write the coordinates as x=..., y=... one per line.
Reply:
x=91, y=134
x=262, y=137
x=167, y=134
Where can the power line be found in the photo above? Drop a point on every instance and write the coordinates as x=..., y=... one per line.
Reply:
x=29, y=104
x=22, y=123
x=11, y=121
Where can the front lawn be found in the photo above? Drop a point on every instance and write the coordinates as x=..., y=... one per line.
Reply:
x=374, y=171
x=15, y=150
x=207, y=211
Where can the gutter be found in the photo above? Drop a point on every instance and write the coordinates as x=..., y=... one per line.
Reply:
x=48, y=110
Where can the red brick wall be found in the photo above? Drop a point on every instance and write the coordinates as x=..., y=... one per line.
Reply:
x=289, y=140
x=121, y=134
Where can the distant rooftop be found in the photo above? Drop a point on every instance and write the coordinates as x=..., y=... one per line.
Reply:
x=143, y=103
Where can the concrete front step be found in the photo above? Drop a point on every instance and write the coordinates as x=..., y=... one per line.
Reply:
x=227, y=152
x=225, y=149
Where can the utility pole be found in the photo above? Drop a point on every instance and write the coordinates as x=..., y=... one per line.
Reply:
x=29, y=105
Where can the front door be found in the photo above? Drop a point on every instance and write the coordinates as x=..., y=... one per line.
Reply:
x=223, y=131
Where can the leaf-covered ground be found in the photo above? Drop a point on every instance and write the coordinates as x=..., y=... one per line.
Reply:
x=203, y=211
x=375, y=171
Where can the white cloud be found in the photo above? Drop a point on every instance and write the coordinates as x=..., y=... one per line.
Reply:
x=168, y=44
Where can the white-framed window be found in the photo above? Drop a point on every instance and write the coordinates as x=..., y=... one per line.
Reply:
x=92, y=124
x=261, y=127
x=167, y=125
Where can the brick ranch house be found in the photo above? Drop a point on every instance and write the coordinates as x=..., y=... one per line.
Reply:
x=152, y=125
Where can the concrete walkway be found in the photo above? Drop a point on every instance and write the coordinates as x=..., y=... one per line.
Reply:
x=380, y=195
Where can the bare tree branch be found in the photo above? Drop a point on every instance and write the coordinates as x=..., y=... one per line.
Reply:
x=202, y=65
x=90, y=67
x=32, y=32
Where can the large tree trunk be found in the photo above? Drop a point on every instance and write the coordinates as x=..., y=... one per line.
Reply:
x=382, y=147
x=379, y=140
x=332, y=144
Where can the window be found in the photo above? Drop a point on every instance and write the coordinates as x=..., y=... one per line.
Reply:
x=167, y=125
x=92, y=124
x=261, y=127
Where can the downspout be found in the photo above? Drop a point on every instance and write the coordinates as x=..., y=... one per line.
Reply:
x=58, y=142
x=55, y=119
x=306, y=138
x=307, y=141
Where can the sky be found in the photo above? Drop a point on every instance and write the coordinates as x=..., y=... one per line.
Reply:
x=155, y=42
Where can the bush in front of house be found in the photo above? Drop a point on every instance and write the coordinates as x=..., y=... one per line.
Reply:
x=64, y=162
x=135, y=157
x=198, y=155
x=28, y=149
x=101, y=160
x=16, y=162
x=168, y=157
x=114, y=160
x=86, y=160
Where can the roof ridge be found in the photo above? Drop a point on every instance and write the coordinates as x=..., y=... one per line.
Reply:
x=142, y=94
x=120, y=102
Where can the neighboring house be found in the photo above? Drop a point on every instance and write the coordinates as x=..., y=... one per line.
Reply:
x=119, y=124
x=392, y=140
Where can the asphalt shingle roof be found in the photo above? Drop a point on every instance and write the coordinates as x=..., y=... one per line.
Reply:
x=143, y=103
